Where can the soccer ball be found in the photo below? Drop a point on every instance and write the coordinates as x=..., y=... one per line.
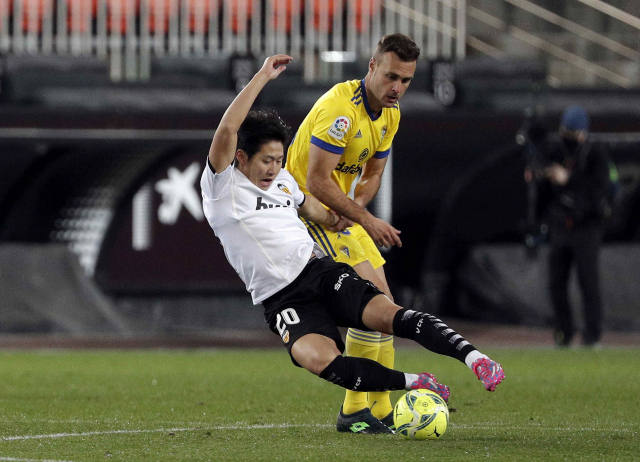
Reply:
x=421, y=415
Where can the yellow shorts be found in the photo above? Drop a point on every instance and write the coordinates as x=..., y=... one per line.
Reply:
x=351, y=246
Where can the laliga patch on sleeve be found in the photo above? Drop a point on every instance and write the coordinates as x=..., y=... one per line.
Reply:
x=339, y=127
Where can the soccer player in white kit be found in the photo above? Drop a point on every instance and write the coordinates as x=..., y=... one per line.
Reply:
x=252, y=205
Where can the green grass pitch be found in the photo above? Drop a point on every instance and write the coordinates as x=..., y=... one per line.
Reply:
x=254, y=405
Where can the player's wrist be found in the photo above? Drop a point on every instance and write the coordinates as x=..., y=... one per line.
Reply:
x=365, y=218
x=333, y=219
x=261, y=77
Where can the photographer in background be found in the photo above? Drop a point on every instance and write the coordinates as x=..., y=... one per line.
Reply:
x=571, y=179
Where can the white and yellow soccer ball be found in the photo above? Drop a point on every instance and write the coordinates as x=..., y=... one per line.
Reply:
x=421, y=415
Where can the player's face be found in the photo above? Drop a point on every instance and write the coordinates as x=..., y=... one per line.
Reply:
x=389, y=79
x=265, y=165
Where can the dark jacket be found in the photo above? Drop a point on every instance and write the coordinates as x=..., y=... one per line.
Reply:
x=582, y=201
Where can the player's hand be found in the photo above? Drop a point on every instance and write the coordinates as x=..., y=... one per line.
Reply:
x=342, y=224
x=382, y=233
x=274, y=65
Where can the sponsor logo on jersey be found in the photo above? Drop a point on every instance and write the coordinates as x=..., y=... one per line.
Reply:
x=339, y=127
x=384, y=132
x=261, y=204
x=363, y=155
x=345, y=250
x=284, y=188
x=351, y=169
x=359, y=134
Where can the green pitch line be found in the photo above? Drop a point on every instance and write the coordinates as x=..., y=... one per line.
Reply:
x=254, y=405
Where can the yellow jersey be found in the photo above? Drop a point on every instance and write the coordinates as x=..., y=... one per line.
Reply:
x=342, y=122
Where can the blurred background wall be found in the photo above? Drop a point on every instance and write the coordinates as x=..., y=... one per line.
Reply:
x=108, y=107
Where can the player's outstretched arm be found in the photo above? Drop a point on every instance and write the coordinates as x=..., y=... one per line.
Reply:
x=223, y=146
x=313, y=210
x=321, y=185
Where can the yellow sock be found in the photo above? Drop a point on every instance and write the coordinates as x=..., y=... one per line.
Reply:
x=380, y=402
x=359, y=344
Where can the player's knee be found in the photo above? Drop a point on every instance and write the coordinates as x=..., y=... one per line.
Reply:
x=379, y=313
x=314, y=353
x=317, y=361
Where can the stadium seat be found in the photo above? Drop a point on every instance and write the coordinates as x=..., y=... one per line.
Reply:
x=112, y=7
x=77, y=12
x=30, y=8
x=360, y=6
x=36, y=9
x=162, y=10
x=237, y=6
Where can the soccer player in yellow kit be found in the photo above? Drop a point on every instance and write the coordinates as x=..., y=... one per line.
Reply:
x=350, y=130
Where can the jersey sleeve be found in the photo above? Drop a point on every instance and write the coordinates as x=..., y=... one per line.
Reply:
x=392, y=128
x=215, y=185
x=298, y=196
x=333, y=124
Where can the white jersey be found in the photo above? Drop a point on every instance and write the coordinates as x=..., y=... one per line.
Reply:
x=262, y=236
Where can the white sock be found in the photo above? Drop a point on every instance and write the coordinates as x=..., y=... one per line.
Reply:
x=472, y=357
x=409, y=379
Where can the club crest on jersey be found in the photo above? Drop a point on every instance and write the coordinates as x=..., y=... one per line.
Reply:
x=345, y=250
x=363, y=155
x=285, y=336
x=384, y=132
x=284, y=188
x=339, y=127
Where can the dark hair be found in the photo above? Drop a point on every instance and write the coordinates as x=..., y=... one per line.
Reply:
x=403, y=46
x=260, y=127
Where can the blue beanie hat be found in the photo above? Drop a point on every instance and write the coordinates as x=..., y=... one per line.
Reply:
x=575, y=118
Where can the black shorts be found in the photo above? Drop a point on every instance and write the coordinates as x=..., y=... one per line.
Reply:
x=324, y=296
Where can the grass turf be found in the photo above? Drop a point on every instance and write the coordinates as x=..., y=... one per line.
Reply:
x=254, y=405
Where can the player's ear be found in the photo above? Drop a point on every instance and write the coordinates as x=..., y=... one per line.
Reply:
x=372, y=64
x=242, y=157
